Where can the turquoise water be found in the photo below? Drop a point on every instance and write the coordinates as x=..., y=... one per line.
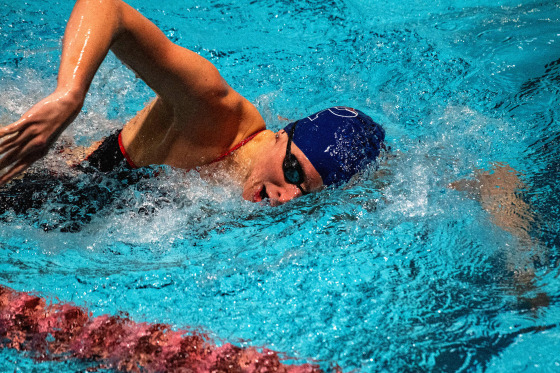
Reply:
x=396, y=272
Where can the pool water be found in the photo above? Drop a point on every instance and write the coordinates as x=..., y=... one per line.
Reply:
x=394, y=272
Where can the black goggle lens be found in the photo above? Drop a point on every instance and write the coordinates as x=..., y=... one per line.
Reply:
x=293, y=172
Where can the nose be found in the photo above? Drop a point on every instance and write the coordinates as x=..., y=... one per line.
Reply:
x=281, y=195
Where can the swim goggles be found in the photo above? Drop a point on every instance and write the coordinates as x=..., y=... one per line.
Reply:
x=293, y=172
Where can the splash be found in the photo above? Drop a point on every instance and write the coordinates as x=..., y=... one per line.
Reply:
x=63, y=331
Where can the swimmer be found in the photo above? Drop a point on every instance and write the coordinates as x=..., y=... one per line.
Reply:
x=196, y=119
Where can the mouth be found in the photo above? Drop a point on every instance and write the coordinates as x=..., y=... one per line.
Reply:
x=260, y=194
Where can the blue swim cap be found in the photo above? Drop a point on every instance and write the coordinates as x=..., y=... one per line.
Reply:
x=339, y=142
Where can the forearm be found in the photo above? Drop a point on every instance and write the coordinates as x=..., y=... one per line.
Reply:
x=91, y=29
x=181, y=77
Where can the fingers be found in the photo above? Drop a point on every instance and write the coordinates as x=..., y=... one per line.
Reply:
x=10, y=137
x=9, y=143
x=18, y=153
x=9, y=146
x=13, y=171
x=12, y=128
x=8, y=158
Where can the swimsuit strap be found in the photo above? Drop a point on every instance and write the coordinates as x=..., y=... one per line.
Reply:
x=240, y=144
x=125, y=154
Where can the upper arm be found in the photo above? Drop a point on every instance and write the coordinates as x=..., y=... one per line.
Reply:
x=178, y=75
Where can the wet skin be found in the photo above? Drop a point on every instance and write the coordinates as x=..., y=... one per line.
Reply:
x=195, y=117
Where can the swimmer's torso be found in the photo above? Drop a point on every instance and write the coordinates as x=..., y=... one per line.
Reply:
x=161, y=134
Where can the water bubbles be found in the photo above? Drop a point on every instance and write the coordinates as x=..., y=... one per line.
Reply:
x=394, y=270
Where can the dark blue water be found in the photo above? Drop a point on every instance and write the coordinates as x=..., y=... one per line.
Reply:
x=395, y=272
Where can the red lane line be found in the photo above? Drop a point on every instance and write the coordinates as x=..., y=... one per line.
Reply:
x=61, y=331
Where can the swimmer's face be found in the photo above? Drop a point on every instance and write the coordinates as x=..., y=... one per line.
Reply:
x=267, y=180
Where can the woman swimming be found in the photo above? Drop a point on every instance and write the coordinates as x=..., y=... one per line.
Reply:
x=195, y=119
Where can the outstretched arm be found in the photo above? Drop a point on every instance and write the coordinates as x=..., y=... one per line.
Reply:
x=498, y=191
x=183, y=79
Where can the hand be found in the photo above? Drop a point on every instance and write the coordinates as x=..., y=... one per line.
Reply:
x=29, y=139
